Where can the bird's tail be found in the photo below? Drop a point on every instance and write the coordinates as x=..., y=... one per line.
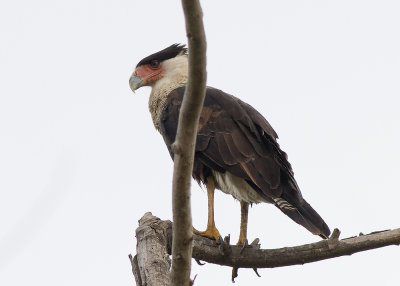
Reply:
x=295, y=207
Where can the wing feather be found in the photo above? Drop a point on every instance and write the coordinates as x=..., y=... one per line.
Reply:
x=257, y=144
x=233, y=137
x=230, y=142
x=227, y=156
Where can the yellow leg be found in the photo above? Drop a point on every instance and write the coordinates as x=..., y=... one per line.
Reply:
x=211, y=231
x=244, y=215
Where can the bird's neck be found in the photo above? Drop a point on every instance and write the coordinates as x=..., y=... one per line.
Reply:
x=176, y=75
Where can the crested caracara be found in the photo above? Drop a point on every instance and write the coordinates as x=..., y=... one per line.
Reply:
x=236, y=148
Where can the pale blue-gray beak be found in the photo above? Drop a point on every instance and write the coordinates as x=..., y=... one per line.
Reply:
x=135, y=82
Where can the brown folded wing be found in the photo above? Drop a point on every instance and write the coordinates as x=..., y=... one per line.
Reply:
x=233, y=137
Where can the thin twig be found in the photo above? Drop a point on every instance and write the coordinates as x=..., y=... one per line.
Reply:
x=136, y=270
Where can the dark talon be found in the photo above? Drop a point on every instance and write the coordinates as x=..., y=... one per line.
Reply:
x=245, y=244
x=224, y=247
x=199, y=262
x=221, y=249
x=234, y=273
x=255, y=270
x=227, y=239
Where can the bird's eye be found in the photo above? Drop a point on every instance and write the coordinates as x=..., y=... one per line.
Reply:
x=154, y=63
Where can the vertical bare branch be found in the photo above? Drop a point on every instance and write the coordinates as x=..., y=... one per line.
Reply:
x=185, y=143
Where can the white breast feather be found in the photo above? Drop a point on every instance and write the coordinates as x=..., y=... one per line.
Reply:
x=175, y=75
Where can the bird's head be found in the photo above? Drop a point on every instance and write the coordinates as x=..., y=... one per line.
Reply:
x=169, y=64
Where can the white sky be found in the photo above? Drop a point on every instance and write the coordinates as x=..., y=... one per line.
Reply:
x=80, y=161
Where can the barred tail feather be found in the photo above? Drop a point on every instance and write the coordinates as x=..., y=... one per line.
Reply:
x=301, y=212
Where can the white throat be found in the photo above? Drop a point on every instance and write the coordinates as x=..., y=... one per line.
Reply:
x=175, y=75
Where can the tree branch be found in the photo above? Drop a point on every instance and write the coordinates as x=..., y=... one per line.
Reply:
x=151, y=264
x=252, y=257
x=206, y=250
x=185, y=142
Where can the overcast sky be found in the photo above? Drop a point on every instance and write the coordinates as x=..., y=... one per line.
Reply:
x=80, y=161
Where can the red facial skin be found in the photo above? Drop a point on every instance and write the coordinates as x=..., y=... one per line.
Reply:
x=148, y=73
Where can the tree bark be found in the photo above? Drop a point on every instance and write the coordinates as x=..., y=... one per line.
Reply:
x=253, y=257
x=151, y=264
x=184, y=144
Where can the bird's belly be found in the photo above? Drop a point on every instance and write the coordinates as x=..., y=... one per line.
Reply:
x=237, y=187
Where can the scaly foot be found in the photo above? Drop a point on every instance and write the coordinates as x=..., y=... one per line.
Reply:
x=211, y=232
x=242, y=241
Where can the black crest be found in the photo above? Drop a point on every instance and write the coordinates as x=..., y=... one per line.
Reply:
x=168, y=53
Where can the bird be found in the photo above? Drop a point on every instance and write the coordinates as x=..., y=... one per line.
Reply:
x=236, y=148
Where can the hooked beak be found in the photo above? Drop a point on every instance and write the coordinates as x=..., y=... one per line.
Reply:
x=135, y=82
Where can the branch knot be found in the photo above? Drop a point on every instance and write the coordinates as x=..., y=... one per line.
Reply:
x=176, y=148
x=333, y=240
